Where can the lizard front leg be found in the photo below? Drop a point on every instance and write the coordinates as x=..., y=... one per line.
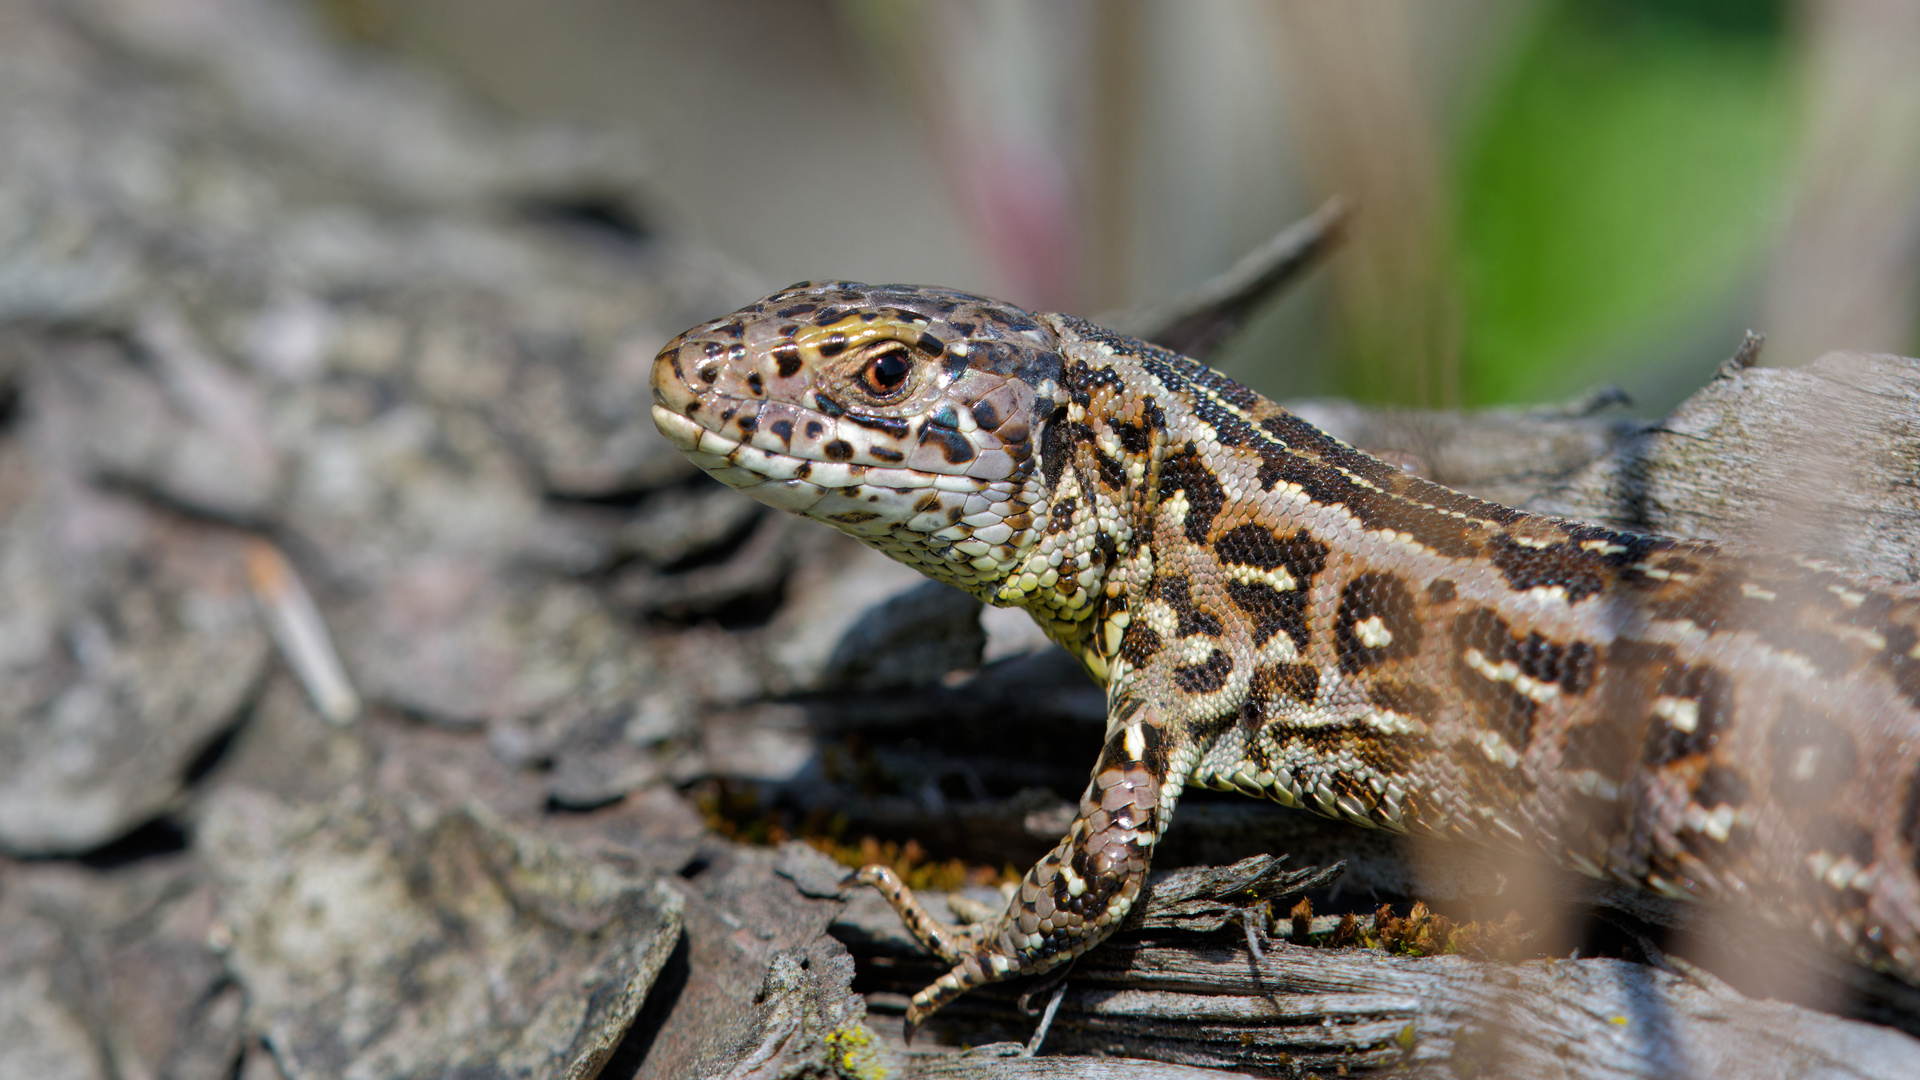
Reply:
x=1074, y=897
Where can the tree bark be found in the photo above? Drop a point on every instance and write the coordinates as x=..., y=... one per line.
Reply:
x=384, y=696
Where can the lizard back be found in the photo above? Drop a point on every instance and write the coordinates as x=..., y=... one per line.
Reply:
x=1274, y=612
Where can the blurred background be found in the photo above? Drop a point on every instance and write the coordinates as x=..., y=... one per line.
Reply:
x=1551, y=194
x=334, y=532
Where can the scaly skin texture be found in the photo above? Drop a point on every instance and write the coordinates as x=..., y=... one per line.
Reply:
x=1274, y=612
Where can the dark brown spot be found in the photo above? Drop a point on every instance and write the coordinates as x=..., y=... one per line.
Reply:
x=1138, y=644
x=1106, y=547
x=1707, y=692
x=885, y=454
x=838, y=450
x=1574, y=666
x=953, y=445
x=926, y=503
x=748, y=423
x=853, y=517
x=1897, y=660
x=1497, y=702
x=815, y=429
x=1207, y=677
x=1187, y=471
x=1055, y=449
x=1271, y=611
x=1286, y=683
x=1060, y=517
x=795, y=311
x=1177, y=592
x=891, y=425
x=1255, y=545
x=1405, y=698
x=1721, y=785
x=1562, y=563
x=786, y=360
x=1153, y=741
x=782, y=429
x=755, y=386
x=1441, y=591
x=931, y=345
x=835, y=344
x=1375, y=596
x=985, y=415
x=1134, y=438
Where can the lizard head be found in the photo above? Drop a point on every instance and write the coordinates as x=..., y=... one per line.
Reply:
x=908, y=417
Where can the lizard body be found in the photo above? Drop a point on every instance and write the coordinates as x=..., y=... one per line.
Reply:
x=1274, y=612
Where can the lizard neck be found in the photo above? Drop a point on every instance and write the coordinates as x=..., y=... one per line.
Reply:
x=1101, y=452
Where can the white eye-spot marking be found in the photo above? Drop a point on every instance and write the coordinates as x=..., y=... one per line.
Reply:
x=1389, y=722
x=1799, y=662
x=1136, y=742
x=1582, y=863
x=1838, y=873
x=1806, y=761
x=1666, y=888
x=1502, y=825
x=1716, y=824
x=1507, y=671
x=1373, y=632
x=1497, y=750
x=1719, y=824
x=1591, y=784
x=1848, y=596
x=1754, y=592
x=1603, y=547
x=1277, y=579
x=1869, y=638
x=1682, y=713
x=1075, y=883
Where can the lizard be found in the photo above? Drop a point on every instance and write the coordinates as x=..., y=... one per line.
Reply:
x=1274, y=612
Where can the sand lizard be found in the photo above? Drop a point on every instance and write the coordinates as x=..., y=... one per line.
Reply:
x=1274, y=612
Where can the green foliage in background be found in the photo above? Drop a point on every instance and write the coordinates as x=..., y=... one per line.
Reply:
x=1625, y=179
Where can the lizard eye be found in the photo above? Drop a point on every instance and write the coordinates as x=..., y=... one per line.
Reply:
x=886, y=371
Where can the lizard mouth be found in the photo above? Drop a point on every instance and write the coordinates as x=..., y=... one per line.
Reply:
x=864, y=500
x=937, y=480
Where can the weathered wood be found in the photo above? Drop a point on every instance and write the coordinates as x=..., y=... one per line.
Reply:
x=232, y=312
x=1202, y=998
